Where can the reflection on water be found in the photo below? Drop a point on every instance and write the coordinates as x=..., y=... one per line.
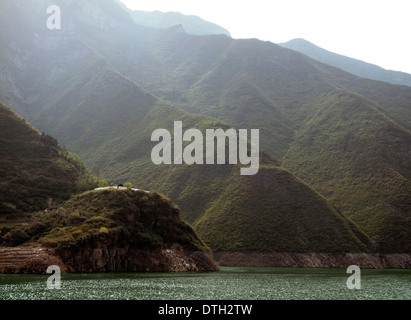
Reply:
x=228, y=284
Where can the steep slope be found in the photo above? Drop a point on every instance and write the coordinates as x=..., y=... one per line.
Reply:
x=354, y=154
x=259, y=85
x=127, y=157
x=102, y=114
x=34, y=170
x=354, y=66
x=275, y=212
x=42, y=67
x=249, y=83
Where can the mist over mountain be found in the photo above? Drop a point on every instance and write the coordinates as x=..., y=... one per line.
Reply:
x=335, y=148
x=165, y=20
x=354, y=66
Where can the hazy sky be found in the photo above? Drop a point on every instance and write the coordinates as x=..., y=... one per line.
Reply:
x=376, y=31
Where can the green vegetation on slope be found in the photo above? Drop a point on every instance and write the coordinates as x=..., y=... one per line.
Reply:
x=276, y=212
x=34, y=170
x=129, y=218
x=192, y=187
x=359, y=158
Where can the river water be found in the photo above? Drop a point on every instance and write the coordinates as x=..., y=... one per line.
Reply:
x=228, y=284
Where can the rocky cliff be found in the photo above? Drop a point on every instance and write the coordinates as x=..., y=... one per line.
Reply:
x=31, y=259
x=113, y=259
x=107, y=231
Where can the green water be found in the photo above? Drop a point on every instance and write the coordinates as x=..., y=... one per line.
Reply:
x=228, y=284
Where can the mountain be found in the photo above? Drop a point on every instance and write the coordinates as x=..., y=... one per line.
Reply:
x=360, y=159
x=285, y=214
x=354, y=66
x=34, y=170
x=102, y=86
x=164, y=20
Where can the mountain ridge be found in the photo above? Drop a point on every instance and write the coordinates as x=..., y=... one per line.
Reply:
x=351, y=65
x=164, y=20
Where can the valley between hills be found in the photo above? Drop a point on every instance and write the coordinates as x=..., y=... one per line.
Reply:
x=78, y=109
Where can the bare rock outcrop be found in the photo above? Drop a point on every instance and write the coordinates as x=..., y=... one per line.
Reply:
x=107, y=258
x=36, y=260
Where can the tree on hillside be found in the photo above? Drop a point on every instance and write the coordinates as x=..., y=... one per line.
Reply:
x=128, y=185
x=103, y=183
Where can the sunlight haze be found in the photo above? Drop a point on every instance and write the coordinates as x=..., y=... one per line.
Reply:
x=373, y=31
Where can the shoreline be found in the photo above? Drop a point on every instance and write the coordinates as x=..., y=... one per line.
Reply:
x=35, y=260
x=314, y=260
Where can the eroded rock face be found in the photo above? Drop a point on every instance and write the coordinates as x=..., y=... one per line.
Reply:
x=36, y=260
x=104, y=258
